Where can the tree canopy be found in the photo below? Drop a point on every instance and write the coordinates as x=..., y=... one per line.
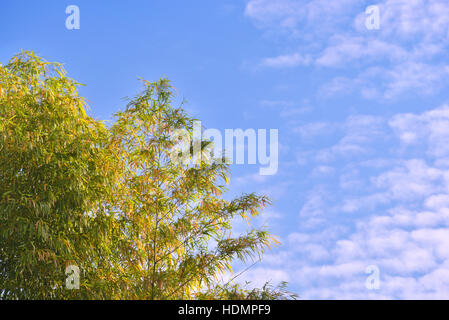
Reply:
x=111, y=200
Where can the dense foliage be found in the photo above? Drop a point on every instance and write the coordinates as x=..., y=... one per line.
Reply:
x=110, y=200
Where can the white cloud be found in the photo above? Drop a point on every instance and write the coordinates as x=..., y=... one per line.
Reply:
x=399, y=217
x=315, y=128
x=424, y=78
x=405, y=56
x=344, y=49
x=405, y=19
x=411, y=181
x=366, y=202
x=286, y=61
x=437, y=201
x=291, y=14
x=323, y=171
x=314, y=205
x=358, y=131
x=430, y=128
x=389, y=206
x=388, y=83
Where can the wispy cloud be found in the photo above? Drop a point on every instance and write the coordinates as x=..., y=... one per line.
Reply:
x=406, y=55
x=286, y=61
x=400, y=216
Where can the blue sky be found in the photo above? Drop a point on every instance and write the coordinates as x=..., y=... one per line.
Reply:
x=363, y=118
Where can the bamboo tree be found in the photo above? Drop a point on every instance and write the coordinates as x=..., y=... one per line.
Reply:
x=111, y=200
x=54, y=174
x=180, y=221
